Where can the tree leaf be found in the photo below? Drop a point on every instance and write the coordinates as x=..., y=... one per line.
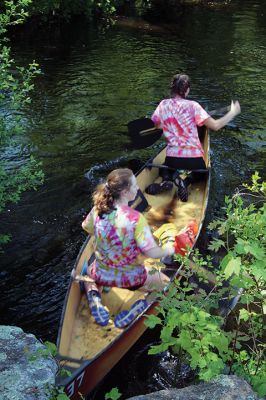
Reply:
x=152, y=320
x=244, y=314
x=160, y=348
x=114, y=394
x=259, y=270
x=216, y=244
x=233, y=267
x=213, y=225
x=261, y=389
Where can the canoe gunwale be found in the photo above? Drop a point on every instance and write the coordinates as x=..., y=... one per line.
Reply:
x=68, y=291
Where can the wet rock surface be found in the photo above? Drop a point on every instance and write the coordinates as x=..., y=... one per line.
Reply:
x=224, y=387
x=25, y=373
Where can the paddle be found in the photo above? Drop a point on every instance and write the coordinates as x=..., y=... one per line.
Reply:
x=83, y=278
x=143, y=132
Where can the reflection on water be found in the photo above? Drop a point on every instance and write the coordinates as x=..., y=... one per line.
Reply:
x=93, y=83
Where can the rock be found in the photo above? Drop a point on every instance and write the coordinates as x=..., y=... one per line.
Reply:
x=25, y=374
x=224, y=387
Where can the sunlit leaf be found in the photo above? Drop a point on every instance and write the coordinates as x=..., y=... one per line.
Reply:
x=213, y=225
x=152, y=320
x=114, y=394
x=216, y=244
x=158, y=348
x=233, y=267
x=244, y=314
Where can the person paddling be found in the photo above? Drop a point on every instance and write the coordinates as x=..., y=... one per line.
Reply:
x=179, y=118
x=121, y=235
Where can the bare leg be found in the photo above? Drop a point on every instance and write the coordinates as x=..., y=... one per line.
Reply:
x=92, y=285
x=156, y=280
x=93, y=294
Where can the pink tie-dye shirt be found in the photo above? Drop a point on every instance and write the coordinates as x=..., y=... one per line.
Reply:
x=179, y=119
x=119, y=239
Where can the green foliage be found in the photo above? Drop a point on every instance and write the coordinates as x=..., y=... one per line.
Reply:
x=16, y=83
x=191, y=332
x=15, y=13
x=13, y=185
x=49, y=350
x=257, y=186
x=191, y=325
x=57, y=393
x=253, y=369
x=114, y=394
x=245, y=241
x=66, y=8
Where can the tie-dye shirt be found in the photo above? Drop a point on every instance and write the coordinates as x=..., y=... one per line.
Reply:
x=179, y=119
x=119, y=239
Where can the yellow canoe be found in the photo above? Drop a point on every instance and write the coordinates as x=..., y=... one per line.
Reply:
x=90, y=351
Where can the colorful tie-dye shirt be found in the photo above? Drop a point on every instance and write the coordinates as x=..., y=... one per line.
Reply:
x=179, y=119
x=119, y=239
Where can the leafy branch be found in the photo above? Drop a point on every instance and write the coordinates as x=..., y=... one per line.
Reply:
x=16, y=85
x=190, y=316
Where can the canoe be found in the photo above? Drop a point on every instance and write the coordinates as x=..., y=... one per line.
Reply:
x=90, y=351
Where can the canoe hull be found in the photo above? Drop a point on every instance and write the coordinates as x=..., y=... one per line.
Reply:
x=88, y=351
x=91, y=373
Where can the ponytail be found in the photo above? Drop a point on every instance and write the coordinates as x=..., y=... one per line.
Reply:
x=106, y=194
x=103, y=200
x=179, y=85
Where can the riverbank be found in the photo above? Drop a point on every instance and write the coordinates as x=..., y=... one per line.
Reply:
x=28, y=373
x=46, y=19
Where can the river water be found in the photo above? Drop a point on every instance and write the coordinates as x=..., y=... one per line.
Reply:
x=94, y=80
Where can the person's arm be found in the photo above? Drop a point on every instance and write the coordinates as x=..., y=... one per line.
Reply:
x=216, y=124
x=156, y=117
x=159, y=252
x=87, y=224
x=146, y=241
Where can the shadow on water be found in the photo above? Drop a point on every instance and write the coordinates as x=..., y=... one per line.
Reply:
x=93, y=82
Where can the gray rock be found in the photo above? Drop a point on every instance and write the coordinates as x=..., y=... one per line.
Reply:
x=25, y=374
x=224, y=387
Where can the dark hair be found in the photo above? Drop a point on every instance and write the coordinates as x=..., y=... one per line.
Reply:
x=179, y=85
x=105, y=194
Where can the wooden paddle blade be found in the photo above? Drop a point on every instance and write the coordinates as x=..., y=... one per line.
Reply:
x=143, y=133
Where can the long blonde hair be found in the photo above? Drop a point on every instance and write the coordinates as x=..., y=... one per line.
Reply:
x=106, y=193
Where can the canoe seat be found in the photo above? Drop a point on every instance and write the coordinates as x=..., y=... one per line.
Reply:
x=175, y=175
x=178, y=171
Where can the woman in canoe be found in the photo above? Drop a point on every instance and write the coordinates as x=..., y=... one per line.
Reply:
x=121, y=235
x=179, y=118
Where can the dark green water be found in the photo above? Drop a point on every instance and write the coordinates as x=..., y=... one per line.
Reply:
x=93, y=82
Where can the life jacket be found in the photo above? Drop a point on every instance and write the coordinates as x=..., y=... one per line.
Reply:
x=186, y=238
x=168, y=235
